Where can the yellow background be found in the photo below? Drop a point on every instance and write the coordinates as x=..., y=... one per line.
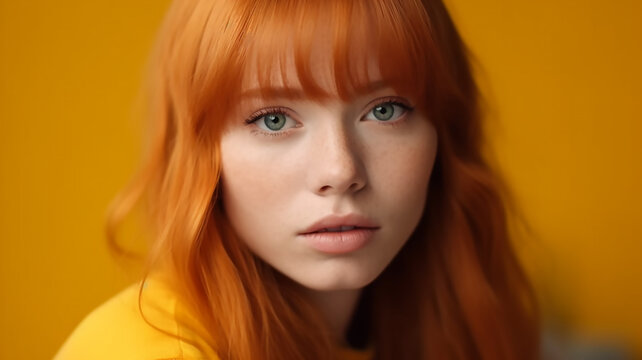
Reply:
x=563, y=84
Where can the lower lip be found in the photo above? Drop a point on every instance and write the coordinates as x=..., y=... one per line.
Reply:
x=341, y=242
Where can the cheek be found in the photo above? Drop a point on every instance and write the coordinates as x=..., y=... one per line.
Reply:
x=402, y=172
x=245, y=182
x=400, y=175
x=254, y=187
x=239, y=188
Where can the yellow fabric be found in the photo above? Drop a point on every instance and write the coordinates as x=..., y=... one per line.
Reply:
x=117, y=330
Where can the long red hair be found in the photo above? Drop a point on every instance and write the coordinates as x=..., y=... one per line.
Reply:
x=455, y=291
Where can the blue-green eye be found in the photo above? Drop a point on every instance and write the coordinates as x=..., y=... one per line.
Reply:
x=384, y=112
x=272, y=120
x=387, y=111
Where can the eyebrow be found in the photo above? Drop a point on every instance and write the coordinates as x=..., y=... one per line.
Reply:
x=285, y=92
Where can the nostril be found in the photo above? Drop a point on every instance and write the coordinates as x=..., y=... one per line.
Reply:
x=325, y=188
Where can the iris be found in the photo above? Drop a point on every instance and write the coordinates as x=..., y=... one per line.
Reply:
x=384, y=112
x=274, y=122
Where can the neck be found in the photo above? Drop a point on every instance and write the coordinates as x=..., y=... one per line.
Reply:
x=337, y=307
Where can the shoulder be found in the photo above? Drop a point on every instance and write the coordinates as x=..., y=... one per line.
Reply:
x=119, y=330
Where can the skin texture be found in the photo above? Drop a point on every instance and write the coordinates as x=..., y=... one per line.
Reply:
x=332, y=157
x=333, y=161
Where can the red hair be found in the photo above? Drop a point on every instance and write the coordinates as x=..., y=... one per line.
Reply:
x=455, y=291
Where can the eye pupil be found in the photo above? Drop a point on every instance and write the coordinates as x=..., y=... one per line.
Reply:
x=274, y=121
x=383, y=112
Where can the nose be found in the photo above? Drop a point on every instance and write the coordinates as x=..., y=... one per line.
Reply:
x=338, y=167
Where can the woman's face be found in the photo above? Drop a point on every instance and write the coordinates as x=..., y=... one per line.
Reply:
x=326, y=192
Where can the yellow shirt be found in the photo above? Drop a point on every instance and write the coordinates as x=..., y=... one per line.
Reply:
x=116, y=330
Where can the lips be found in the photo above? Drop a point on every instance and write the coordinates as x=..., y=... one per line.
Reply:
x=340, y=235
x=339, y=223
x=337, y=229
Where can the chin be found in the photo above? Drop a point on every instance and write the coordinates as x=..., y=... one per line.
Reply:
x=337, y=280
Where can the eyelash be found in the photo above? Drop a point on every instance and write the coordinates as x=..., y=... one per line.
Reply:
x=278, y=110
x=392, y=100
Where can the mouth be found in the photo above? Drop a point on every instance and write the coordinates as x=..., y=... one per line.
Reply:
x=336, y=235
x=341, y=223
x=338, y=229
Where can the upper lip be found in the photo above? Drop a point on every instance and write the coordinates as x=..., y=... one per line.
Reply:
x=335, y=221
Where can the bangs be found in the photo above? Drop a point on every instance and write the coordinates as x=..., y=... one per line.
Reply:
x=315, y=49
x=337, y=48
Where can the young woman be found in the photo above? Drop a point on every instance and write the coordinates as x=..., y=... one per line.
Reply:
x=316, y=189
